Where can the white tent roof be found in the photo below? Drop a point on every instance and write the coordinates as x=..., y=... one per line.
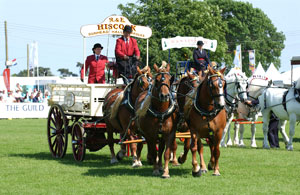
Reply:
x=272, y=73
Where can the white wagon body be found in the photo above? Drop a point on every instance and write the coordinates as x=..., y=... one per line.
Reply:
x=81, y=99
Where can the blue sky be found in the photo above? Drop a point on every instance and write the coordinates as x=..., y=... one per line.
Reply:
x=55, y=25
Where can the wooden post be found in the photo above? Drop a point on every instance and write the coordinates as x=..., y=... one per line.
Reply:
x=6, y=47
x=27, y=60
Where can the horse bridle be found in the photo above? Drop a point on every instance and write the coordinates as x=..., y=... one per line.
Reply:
x=141, y=82
x=211, y=87
x=161, y=85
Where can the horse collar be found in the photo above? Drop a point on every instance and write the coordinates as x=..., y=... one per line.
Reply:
x=163, y=115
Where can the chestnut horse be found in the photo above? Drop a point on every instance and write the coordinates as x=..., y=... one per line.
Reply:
x=157, y=118
x=206, y=118
x=186, y=84
x=119, y=110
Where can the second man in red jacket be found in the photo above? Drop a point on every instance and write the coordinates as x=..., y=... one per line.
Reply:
x=127, y=54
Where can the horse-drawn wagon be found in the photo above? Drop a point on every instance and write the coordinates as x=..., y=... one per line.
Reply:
x=76, y=109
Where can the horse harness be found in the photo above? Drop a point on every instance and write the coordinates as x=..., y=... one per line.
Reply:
x=215, y=111
x=172, y=106
x=127, y=101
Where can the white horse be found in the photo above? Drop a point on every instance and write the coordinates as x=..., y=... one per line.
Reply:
x=272, y=100
x=256, y=85
x=236, y=90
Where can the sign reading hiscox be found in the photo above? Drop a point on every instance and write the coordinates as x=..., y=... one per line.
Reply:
x=24, y=110
x=114, y=25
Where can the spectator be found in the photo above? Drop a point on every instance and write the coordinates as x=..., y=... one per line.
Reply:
x=47, y=96
x=34, y=92
x=31, y=97
x=18, y=95
x=10, y=98
x=36, y=99
x=1, y=98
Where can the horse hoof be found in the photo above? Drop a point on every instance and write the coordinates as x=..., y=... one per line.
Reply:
x=204, y=171
x=175, y=164
x=155, y=173
x=290, y=148
x=209, y=167
x=113, y=161
x=216, y=174
x=180, y=160
x=120, y=155
x=165, y=176
x=196, y=174
x=136, y=165
x=266, y=147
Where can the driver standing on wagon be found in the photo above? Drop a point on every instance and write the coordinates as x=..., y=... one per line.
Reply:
x=96, y=65
x=200, y=58
x=127, y=54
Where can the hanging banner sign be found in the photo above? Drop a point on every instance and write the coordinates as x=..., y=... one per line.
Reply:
x=6, y=77
x=114, y=25
x=252, y=60
x=179, y=42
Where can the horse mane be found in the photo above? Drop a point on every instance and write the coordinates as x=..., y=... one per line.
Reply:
x=189, y=101
x=298, y=83
x=163, y=66
x=142, y=110
x=116, y=104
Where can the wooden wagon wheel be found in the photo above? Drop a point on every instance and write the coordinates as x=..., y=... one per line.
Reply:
x=57, y=131
x=78, y=141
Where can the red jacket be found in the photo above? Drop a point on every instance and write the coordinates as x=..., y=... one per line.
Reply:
x=96, y=72
x=122, y=50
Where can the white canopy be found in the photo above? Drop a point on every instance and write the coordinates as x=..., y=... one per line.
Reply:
x=114, y=25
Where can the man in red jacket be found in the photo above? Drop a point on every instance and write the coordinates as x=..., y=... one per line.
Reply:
x=96, y=65
x=127, y=54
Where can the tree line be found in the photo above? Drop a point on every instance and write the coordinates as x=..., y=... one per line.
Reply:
x=43, y=71
x=229, y=22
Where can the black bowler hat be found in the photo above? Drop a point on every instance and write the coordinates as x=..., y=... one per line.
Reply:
x=127, y=28
x=97, y=45
x=200, y=43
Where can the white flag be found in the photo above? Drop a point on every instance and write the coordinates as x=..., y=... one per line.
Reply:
x=33, y=55
x=238, y=57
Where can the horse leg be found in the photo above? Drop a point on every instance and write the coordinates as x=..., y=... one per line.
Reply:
x=135, y=162
x=266, y=119
x=202, y=162
x=153, y=153
x=138, y=152
x=169, y=142
x=230, y=117
x=122, y=152
x=211, y=164
x=161, y=149
x=241, y=140
x=216, y=154
x=281, y=127
x=253, y=130
x=196, y=171
x=173, y=158
x=236, y=134
x=182, y=157
x=293, y=119
x=111, y=144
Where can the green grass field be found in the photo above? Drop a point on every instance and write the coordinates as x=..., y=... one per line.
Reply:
x=26, y=167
